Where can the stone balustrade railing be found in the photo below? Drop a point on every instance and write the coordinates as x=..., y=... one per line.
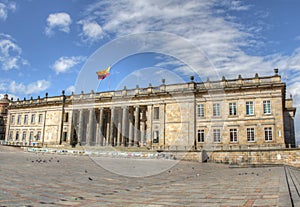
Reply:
x=171, y=88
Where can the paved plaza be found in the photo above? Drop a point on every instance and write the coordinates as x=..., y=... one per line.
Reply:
x=36, y=179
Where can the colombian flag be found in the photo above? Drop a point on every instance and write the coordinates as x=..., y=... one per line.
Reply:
x=103, y=73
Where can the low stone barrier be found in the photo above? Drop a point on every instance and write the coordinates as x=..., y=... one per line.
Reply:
x=256, y=157
x=101, y=153
x=234, y=157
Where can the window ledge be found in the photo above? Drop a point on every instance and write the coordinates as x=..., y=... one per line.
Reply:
x=216, y=117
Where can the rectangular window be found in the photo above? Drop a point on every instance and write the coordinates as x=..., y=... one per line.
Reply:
x=38, y=136
x=250, y=135
x=19, y=119
x=66, y=117
x=40, y=118
x=155, y=136
x=26, y=119
x=156, y=113
x=267, y=107
x=65, y=134
x=233, y=135
x=17, y=135
x=232, y=109
x=217, y=135
x=201, y=135
x=268, y=134
x=32, y=118
x=249, y=108
x=10, y=135
x=216, y=109
x=24, y=136
x=31, y=136
x=200, y=110
x=12, y=119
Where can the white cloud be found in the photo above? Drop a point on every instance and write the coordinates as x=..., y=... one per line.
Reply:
x=31, y=88
x=2, y=86
x=91, y=31
x=61, y=21
x=235, y=5
x=63, y=64
x=17, y=87
x=221, y=38
x=70, y=89
x=3, y=12
x=9, y=96
x=40, y=85
x=10, y=53
x=196, y=21
x=5, y=8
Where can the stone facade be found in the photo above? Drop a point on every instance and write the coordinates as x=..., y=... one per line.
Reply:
x=226, y=114
x=3, y=115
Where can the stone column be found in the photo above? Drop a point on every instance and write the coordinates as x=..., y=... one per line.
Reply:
x=107, y=134
x=149, y=125
x=90, y=127
x=80, y=126
x=100, y=131
x=136, y=126
x=124, y=125
x=143, y=133
x=112, y=125
x=131, y=128
x=97, y=134
x=119, y=134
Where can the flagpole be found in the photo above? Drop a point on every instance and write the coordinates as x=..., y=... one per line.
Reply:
x=109, y=83
x=99, y=85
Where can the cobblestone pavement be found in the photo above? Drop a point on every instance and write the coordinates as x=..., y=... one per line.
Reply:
x=30, y=179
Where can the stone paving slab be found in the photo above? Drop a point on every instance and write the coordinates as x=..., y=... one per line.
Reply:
x=36, y=179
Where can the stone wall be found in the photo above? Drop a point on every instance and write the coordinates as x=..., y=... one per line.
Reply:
x=254, y=157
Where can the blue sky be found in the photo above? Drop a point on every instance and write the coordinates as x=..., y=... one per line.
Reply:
x=45, y=45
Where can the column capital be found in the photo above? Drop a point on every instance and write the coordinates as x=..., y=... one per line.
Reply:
x=124, y=107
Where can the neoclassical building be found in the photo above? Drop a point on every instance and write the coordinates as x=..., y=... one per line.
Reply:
x=226, y=114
